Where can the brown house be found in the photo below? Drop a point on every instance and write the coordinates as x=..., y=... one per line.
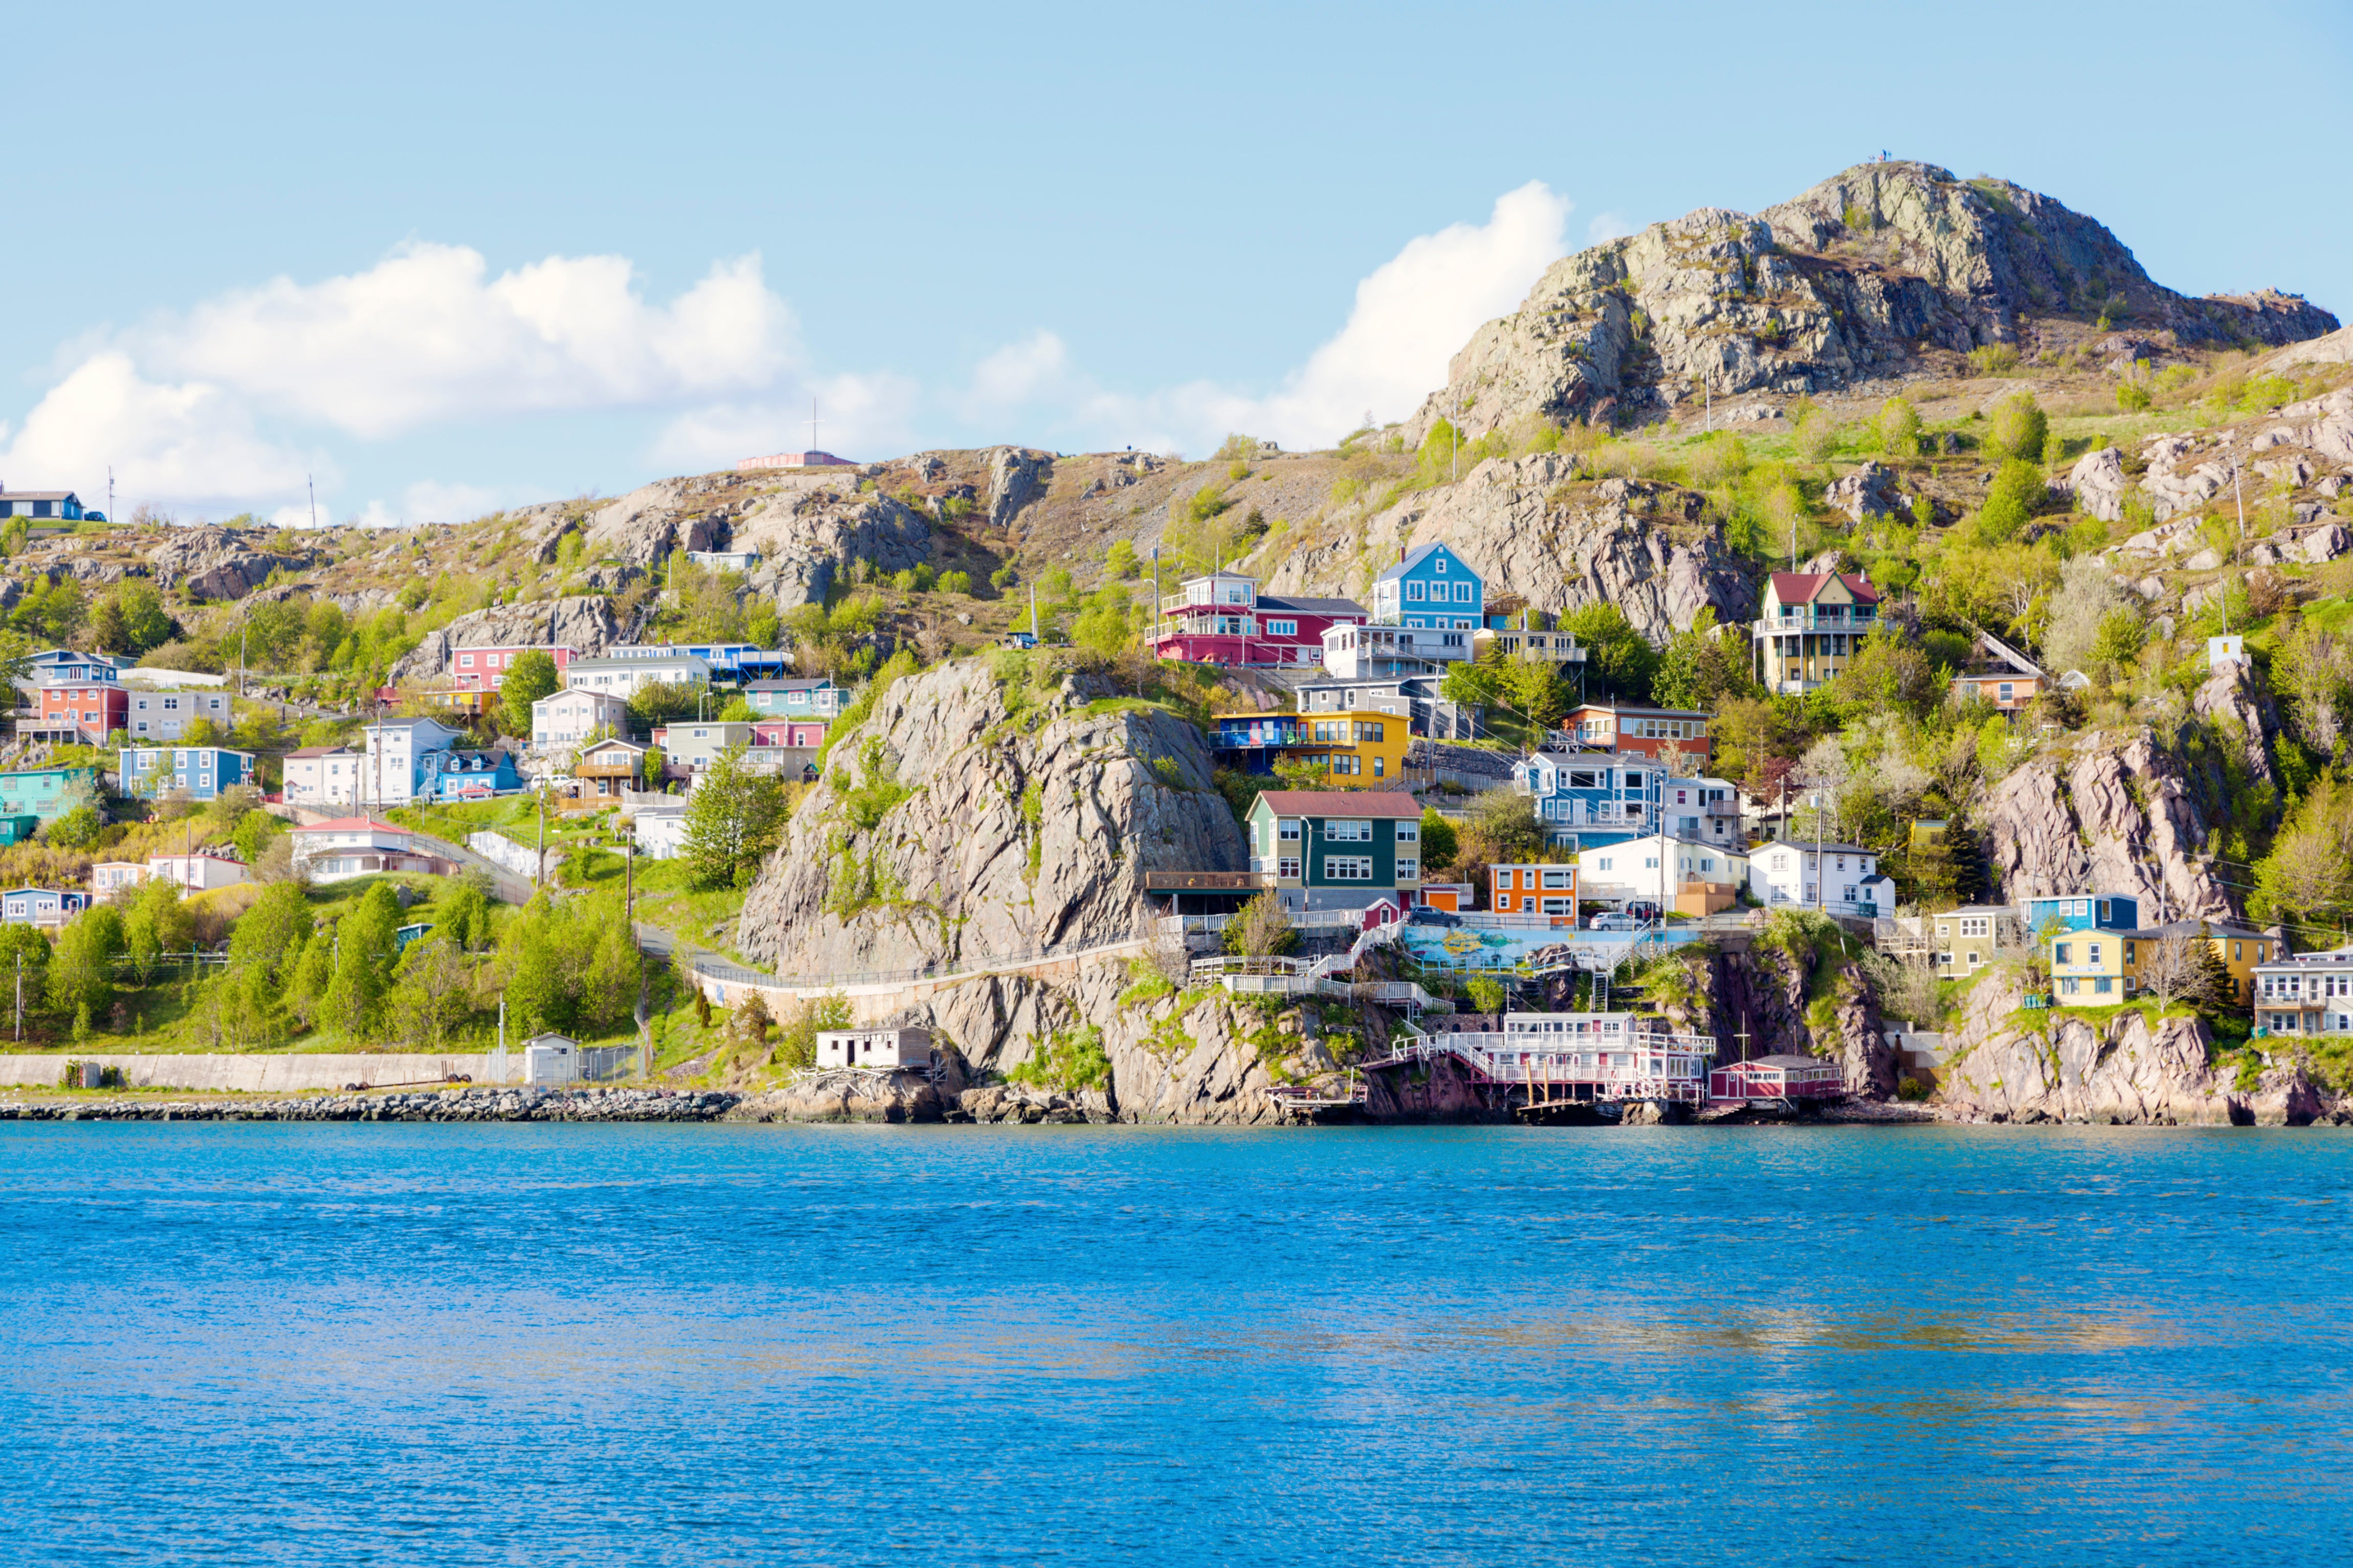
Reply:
x=605, y=770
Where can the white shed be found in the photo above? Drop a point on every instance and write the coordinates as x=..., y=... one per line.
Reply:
x=906, y=1047
x=551, y=1059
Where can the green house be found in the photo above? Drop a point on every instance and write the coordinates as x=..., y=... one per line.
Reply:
x=1327, y=849
x=45, y=792
x=16, y=829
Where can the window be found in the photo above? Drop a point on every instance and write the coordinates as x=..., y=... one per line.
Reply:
x=1288, y=829
x=1584, y=779
x=465, y=661
x=1440, y=567
x=1558, y=907
x=1602, y=864
x=2062, y=953
x=1358, y=832
x=1409, y=832
x=2104, y=986
x=2235, y=954
x=1415, y=593
x=1407, y=870
x=2070, y=987
x=1462, y=593
x=1288, y=867
x=1283, y=628
x=1348, y=868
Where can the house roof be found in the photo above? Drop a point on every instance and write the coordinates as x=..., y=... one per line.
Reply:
x=1341, y=803
x=1414, y=557
x=1801, y=587
x=1638, y=708
x=2001, y=652
x=639, y=662
x=350, y=824
x=2192, y=927
x=320, y=752
x=1783, y=1060
x=804, y=685
x=1812, y=849
x=190, y=746
x=37, y=495
x=407, y=723
x=1312, y=607
x=610, y=744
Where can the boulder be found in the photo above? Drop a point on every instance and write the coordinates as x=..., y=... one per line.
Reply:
x=1869, y=491
x=642, y=528
x=2005, y=1063
x=808, y=535
x=2206, y=560
x=1016, y=476
x=2097, y=482
x=207, y=563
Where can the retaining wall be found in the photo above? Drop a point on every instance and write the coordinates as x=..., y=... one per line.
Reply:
x=273, y=1074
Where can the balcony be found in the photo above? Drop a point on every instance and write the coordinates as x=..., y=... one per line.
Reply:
x=1170, y=604
x=1207, y=881
x=1211, y=626
x=1807, y=618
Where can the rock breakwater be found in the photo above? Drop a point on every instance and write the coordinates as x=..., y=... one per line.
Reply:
x=461, y=1105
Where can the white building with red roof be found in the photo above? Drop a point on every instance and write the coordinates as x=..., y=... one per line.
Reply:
x=350, y=846
x=1810, y=626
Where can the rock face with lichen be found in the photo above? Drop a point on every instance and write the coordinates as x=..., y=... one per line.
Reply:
x=584, y=624
x=1847, y=282
x=2115, y=814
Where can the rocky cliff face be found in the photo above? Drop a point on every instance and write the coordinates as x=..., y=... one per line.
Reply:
x=2116, y=814
x=1563, y=544
x=585, y=624
x=1847, y=282
x=967, y=818
x=221, y=563
x=1754, y=1000
x=2002, y=1064
x=808, y=530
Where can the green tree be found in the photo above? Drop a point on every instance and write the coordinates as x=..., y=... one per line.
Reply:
x=271, y=933
x=739, y=711
x=1121, y=562
x=157, y=923
x=366, y=946
x=2308, y=875
x=1897, y=429
x=312, y=970
x=1616, y=658
x=1700, y=668
x=530, y=677
x=464, y=918
x=1438, y=840
x=24, y=950
x=2017, y=427
x=734, y=819
x=2017, y=493
x=81, y=972
x=661, y=701
x=1537, y=690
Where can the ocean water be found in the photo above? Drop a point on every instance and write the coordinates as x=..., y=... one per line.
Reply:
x=709, y=1346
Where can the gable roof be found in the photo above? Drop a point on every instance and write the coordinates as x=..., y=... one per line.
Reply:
x=1341, y=803
x=320, y=751
x=1300, y=607
x=1801, y=587
x=351, y=824
x=1415, y=557
x=610, y=742
x=2005, y=654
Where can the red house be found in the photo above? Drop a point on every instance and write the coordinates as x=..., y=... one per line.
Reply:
x=485, y=668
x=1784, y=1077
x=78, y=711
x=1622, y=726
x=788, y=732
x=1224, y=619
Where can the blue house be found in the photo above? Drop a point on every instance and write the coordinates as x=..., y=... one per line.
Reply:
x=469, y=776
x=45, y=792
x=203, y=770
x=1432, y=586
x=40, y=906
x=2098, y=912
x=1587, y=800
x=62, y=506
x=797, y=699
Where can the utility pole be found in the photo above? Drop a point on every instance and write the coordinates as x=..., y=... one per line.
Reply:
x=20, y=957
x=310, y=482
x=110, y=517
x=542, y=792
x=1819, y=888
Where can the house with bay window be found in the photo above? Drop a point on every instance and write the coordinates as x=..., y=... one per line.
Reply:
x=1810, y=626
x=1337, y=849
x=1222, y=618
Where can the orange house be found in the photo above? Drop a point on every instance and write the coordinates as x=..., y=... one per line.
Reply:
x=1533, y=888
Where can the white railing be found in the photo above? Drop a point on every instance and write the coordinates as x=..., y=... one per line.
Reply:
x=1683, y=1078
x=504, y=853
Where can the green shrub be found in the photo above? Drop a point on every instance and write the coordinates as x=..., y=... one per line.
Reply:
x=2133, y=398
x=1993, y=359
x=956, y=581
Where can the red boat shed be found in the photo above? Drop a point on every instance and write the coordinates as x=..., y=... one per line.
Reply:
x=1785, y=1077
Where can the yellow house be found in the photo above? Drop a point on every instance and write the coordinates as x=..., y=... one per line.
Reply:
x=2101, y=968
x=1366, y=750
x=1810, y=625
x=1966, y=937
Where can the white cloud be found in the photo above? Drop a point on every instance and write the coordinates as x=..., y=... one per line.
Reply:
x=426, y=335
x=1607, y=227
x=859, y=416
x=189, y=442
x=1411, y=315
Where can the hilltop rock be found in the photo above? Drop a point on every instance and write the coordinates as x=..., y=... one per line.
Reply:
x=221, y=563
x=1845, y=283
x=1021, y=821
x=2118, y=818
x=1509, y=520
x=643, y=527
x=810, y=532
x=1017, y=476
x=584, y=624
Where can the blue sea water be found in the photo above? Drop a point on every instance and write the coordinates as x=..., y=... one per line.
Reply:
x=711, y=1345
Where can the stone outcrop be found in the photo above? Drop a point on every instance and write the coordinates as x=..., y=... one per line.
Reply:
x=478, y=1104
x=221, y=563
x=2098, y=483
x=1843, y=284
x=2241, y=716
x=2172, y=487
x=1869, y=491
x=583, y=623
x=2003, y=1063
x=967, y=818
x=643, y=527
x=2115, y=815
x=810, y=532
x=1016, y=476
x=1515, y=523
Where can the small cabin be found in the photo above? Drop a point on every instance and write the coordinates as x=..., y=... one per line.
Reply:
x=1783, y=1077
x=906, y=1048
x=551, y=1059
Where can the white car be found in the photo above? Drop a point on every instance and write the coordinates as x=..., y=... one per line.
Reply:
x=1614, y=922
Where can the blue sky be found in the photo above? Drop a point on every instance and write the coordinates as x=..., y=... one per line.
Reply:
x=449, y=257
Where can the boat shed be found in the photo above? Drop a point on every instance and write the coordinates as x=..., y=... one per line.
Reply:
x=903, y=1048
x=1782, y=1077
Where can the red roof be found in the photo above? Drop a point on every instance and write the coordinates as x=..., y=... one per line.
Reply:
x=349, y=824
x=1341, y=803
x=1799, y=587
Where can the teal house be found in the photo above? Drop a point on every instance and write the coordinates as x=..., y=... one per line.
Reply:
x=1432, y=586
x=1337, y=849
x=45, y=792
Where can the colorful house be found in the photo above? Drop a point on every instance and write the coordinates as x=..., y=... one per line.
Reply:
x=166, y=714
x=396, y=770
x=624, y=677
x=1381, y=652
x=1783, y=1077
x=61, y=506
x=1696, y=878
x=804, y=734
x=1352, y=746
x=202, y=771
x=728, y=660
x=2087, y=911
x=1431, y=587
x=112, y=878
x=1222, y=618
x=485, y=668
x=45, y=792
x=697, y=745
x=1584, y=800
x=322, y=776
x=1337, y=848
x=469, y=776
x=1811, y=625
x=567, y=717
x=2000, y=674
x=607, y=770
x=1966, y=939
x=1839, y=878
x=76, y=704
x=797, y=699
x=1533, y=888
x=1522, y=645
x=2099, y=965
x=1704, y=809
x=1625, y=727
x=2304, y=993
x=41, y=906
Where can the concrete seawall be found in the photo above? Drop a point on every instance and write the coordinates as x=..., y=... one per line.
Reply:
x=284, y=1074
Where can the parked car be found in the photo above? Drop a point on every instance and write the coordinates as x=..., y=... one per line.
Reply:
x=1613, y=922
x=1644, y=911
x=1424, y=915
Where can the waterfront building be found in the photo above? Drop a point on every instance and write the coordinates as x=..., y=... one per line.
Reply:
x=2304, y=993
x=1783, y=1077
x=1810, y=626
x=1327, y=849
x=879, y=1049
x=2098, y=965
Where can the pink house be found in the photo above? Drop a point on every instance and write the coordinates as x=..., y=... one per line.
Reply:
x=1224, y=619
x=485, y=668
x=787, y=732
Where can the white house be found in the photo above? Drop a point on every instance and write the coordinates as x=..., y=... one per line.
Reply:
x=551, y=1059
x=661, y=830
x=907, y=1048
x=351, y=846
x=1705, y=810
x=165, y=715
x=110, y=879
x=626, y=676
x=393, y=771
x=1630, y=870
x=569, y=717
x=200, y=872
x=1357, y=653
x=1843, y=879
x=323, y=775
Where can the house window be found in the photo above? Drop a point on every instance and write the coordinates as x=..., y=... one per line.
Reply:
x=1415, y=593
x=2092, y=951
x=1408, y=871
x=1283, y=628
x=1358, y=832
x=1287, y=830
x=2062, y=953
x=1348, y=868
x=465, y=661
x=1556, y=879
x=2104, y=986
x=1409, y=832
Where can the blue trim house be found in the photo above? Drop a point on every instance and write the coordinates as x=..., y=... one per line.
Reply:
x=2097, y=911
x=1588, y=799
x=40, y=906
x=1432, y=586
x=203, y=770
x=469, y=776
x=797, y=699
